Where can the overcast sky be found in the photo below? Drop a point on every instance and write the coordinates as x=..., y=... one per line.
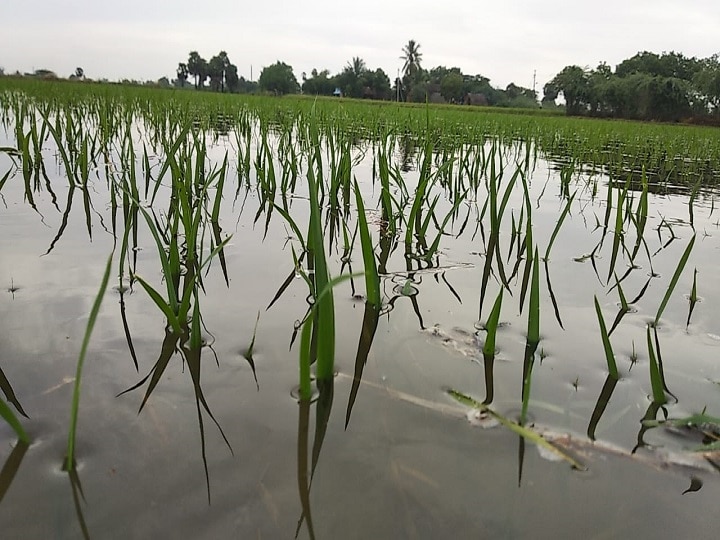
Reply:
x=504, y=41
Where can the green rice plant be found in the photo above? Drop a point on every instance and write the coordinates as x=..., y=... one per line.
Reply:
x=69, y=464
x=618, y=233
x=601, y=404
x=673, y=281
x=533, y=338
x=492, y=324
x=656, y=379
x=558, y=224
x=640, y=218
x=528, y=242
x=325, y=308
x=186, y=216
x=691, y=202
x=624, y=307
x=607, y=346
x=372, y=280
x=7, y=414
x=215, y=218
x=533, y=332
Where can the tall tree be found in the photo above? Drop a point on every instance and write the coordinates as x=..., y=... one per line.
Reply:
x=216, y=72
x=356, y=66
x=412, y=57
x=320, y=83
x=232, y=80
x=572, y=81
x=352, y=79
x=182, y=73
x=411, y=68
x=378, y=84
x=279, y=79
x=452, y=87
x=707, y=82
x=198, y=68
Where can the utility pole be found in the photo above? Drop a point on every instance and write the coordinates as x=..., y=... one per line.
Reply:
x=534, y=77
x=397, y=85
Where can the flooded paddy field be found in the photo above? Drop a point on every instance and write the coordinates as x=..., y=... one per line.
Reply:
x=272, y=318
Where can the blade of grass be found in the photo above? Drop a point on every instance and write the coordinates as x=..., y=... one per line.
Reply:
x=75, y=406
x=609, y=356
x=673, y=281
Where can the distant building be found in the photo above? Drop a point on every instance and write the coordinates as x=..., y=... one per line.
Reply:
x=337, y=92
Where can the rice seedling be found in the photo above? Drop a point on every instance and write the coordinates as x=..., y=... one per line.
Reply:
x=164, y=162
x=601, y=404
x=372, y=280
x=624, y=307
x=675, y=277
x=656, y=378
x=533, y=332
x=69, y=463
x=491, y=326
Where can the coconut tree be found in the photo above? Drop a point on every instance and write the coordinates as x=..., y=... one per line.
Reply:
x=412, y=56
x=356, y=66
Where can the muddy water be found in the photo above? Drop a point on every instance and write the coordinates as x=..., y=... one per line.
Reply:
x=402, y=468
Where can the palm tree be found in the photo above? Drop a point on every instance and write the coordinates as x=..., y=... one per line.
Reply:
x=225, y=62
x=356, y=66
x=411, y=68
x=197, y=67
x=412, y=57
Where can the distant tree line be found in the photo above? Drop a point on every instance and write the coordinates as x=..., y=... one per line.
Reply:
x=438, y=85
x=648, y=86
x=219, y=72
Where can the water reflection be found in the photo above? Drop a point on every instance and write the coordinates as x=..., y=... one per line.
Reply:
x=12, y=466
x=423, y=204
x=190, y=352
x=78, y=500
x=308, y=457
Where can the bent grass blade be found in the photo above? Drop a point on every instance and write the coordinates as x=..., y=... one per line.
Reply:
x=525, y=432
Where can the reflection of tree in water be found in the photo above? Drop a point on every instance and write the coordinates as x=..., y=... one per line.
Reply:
x=407, y=148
